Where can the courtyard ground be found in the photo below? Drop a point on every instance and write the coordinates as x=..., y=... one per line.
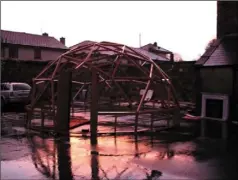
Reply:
x=163, y=155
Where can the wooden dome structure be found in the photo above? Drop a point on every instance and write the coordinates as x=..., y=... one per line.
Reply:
x=129, y=82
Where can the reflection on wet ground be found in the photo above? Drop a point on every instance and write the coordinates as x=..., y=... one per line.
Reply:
x=35, y=157
x=28, y=156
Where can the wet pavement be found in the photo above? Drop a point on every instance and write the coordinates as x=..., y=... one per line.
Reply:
x=35, y=157
x=166, y=155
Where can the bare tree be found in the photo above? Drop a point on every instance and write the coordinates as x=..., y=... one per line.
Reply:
x=177, y=57
x=212, y=41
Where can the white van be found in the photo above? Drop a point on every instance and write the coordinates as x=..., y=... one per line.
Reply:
x=14, y=92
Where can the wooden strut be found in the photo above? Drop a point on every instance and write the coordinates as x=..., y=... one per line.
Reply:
x=53, y=101
x=100, y=71
x=33, y=101
x=143, y=98
x=46, y=68
x=39, y=95
x=117, y=63
x=87, y=57
x=79, y=91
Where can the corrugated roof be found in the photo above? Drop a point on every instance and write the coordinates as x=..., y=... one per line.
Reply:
x=27, y=39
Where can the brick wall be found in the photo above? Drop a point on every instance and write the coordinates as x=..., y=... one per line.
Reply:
x=227, y=18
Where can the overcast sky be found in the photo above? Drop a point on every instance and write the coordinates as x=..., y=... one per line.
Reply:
x=182, y=27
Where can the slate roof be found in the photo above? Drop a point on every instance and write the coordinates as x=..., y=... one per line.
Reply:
x=27, y=39
x=222, y=52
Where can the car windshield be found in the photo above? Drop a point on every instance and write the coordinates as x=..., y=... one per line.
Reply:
x=17, y=87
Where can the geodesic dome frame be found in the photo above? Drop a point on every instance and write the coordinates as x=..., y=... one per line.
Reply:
x=114, y=64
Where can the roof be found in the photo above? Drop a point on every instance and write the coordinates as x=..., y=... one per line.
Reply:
x=87, y=42
x=208, y=52
x=27, y=39
x=156, y=48
x=222, y=52
x=151, y=55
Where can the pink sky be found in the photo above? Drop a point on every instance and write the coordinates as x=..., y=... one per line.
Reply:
x=180, y=26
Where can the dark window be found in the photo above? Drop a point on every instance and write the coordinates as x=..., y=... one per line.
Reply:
x=214, y=108
x=5, y=87
x=37, y=53
x=17, y=87
x=13, y=51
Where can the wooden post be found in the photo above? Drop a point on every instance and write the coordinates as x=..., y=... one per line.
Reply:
x=72, y=109
x=42, y=120
x=176, y=118
x=53, y=100
x=168, y=122
x=29, y=118
x=224, y=130
x=64, y=160
x=136, y=122
x=152, y=122
x=63, y=102
x=94, y=108
x=115, y=127
x=72, y=106
x=203, y=128
x=94, y=167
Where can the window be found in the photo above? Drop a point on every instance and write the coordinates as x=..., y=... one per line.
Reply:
x=37, y=53
x=214, y=108
x=20, y=87
x=13, y=51
x=5, y=87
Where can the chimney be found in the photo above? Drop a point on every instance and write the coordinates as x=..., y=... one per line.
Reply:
x=62, y=40
x=45, y=34
x=155, y=44
x=172, y=57
x=227, y=18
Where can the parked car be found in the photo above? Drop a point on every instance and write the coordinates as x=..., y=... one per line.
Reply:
x=14, y=92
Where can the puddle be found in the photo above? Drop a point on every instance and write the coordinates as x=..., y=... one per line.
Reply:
x=34, y=157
